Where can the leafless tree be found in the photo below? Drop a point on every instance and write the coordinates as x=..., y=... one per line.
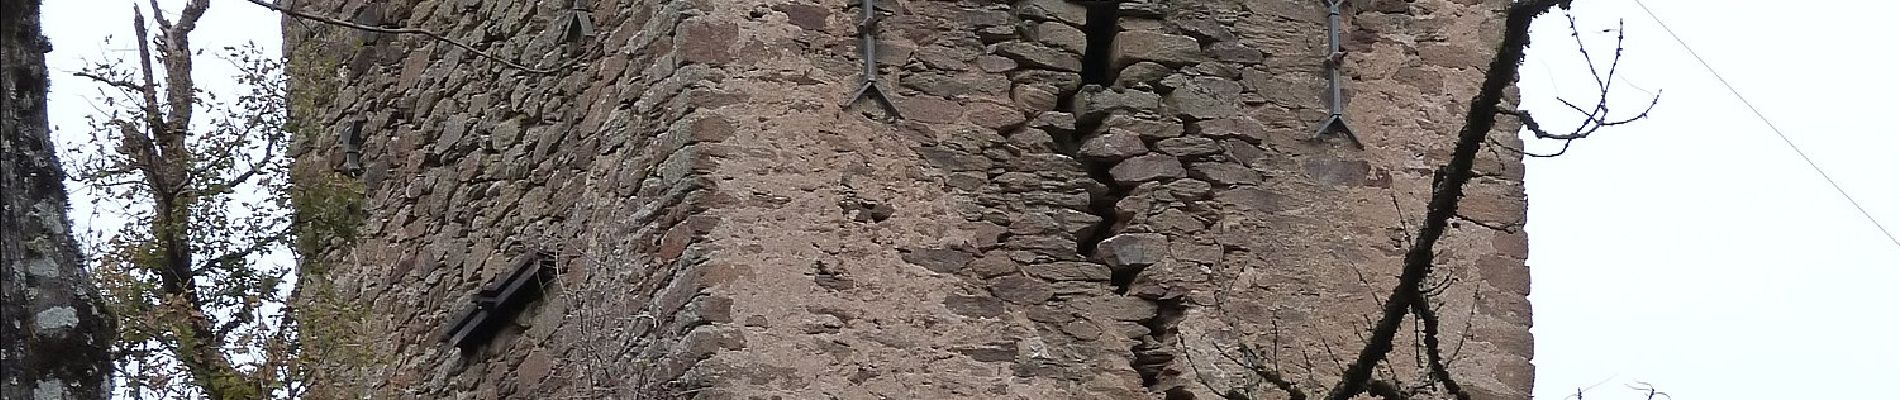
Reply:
x=202, y=176
x=1410, y=303
x=195, y=174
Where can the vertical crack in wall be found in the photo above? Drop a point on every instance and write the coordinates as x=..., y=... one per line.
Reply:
x=1097, y=71
x=1104, y=21
x=1150, y=356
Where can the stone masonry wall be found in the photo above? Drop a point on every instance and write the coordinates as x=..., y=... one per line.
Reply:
x=1103, y=201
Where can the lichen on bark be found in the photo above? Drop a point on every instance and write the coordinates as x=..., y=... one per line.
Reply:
x=53, y=335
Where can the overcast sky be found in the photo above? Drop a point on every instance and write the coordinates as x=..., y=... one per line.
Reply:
x=1692, y=250
x=87, y=32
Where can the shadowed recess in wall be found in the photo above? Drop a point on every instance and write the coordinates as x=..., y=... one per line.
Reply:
x=1104, y=21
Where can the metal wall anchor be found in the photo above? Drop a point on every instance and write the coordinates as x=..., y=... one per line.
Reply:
x=352, y=141
x=1335, y=59
x=578, y=25
x=867, y=35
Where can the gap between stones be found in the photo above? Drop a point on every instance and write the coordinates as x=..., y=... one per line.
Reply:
x=1150, y=357
x=1097, y=70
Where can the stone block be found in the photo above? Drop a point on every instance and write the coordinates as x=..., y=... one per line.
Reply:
x=994, y=116
x=1205, y=29
x=1164, y=48
x=1035, y=97
x=704, y=40
x=1148, y=128
x=938, y=259
x=1021, y=289
x=1039, y=56
x=1506, y=273
x=1053, y=120
x=986, y=17
x=928, y=109
x=1250, y=199
x=1062, y=81
x=1150, y=167
x=1493, y=202
x=1053, y=10
x=1142, y=74
x=1069, y=271
x=1190, y=189
x=1098, y=103
x=1118, y=308
x=1132, y=250
x=1142, y=8
x=1206, y=97
x=1241, y=127
x=1225, y=173
x=1235, y=53
x=1116, y=144
x=995, y=63
x=807, y=16
x=1062, y=36
x=936, y=84
x=1188, y=146
x=1175, y=221
x=974, y=306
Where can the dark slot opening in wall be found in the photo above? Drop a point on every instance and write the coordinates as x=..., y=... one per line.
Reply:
x=1104, y=21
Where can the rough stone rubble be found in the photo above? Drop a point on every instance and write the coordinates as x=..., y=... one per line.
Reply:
x=1068, y=209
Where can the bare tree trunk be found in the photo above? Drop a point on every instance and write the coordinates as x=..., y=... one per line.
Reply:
x=160, y=150
x=54, y=336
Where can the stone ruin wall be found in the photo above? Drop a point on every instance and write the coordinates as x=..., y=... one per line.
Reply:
x=725, y=229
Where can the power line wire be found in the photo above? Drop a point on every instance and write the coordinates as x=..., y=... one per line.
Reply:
x=1771, y=125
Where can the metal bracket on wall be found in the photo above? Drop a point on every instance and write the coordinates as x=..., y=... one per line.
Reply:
x=352, y=141
x=579, y=26
x=1335, y=60
x=867, y=35
x=497, y=304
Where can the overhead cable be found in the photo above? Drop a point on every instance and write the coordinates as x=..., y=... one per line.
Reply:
x=1771, y=125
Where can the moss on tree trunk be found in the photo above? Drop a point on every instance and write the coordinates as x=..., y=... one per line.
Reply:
x=54, y=338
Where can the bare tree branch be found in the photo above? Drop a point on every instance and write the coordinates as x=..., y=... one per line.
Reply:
x=1428, y=321
x=1385, y=390
x=259, y=245
x=1597, y=116
x=1272, y=377
x=118, y=83
x=1449, y=188
x=1508, y=227
x=155, y=158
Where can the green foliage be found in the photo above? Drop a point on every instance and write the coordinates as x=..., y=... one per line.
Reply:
x=329, y=211
x=198, y=181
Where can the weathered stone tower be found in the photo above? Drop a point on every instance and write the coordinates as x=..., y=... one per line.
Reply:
x=1062, y=200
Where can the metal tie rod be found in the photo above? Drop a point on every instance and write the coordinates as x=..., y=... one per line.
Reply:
x=1335, y=58
x=867, y=35
x=579, y=23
